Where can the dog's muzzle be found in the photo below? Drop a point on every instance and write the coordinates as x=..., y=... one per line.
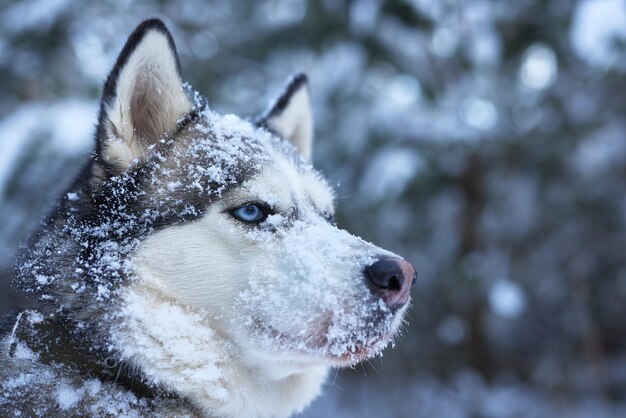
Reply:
x=391, y=279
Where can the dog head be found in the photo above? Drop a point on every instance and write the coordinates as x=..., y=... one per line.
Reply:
x=241, y=225
x=201, y=249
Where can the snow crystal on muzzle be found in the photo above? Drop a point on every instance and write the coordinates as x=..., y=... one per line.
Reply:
x=310, y=296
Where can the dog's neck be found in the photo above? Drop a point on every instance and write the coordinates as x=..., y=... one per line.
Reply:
x=175, y=348
x=57, y=342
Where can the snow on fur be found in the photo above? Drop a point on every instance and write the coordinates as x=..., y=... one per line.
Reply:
x=336, y=315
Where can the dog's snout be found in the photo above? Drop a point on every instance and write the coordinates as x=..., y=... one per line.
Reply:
x=391, y=278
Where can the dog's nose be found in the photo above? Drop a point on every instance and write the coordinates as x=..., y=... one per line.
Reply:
x=391, y=278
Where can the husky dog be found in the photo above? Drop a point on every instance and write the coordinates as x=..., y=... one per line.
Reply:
x=194, y=268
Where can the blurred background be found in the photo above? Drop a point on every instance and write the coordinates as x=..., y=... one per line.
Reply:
x=483, y=140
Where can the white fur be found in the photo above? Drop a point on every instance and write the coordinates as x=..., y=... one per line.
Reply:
x=176, y=346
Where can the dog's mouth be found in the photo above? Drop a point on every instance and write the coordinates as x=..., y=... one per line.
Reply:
x=331, y=341
x=358, y=353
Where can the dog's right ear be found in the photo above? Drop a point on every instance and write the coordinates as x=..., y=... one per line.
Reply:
x=143, y=98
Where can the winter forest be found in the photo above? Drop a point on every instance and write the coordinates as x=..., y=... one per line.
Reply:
x=485, y=141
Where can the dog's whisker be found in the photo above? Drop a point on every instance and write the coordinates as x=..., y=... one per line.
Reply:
x=333, y=383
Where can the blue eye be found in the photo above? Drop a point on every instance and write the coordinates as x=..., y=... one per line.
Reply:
x=250, y=214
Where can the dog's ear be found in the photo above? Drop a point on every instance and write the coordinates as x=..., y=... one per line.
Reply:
x=290, y=115
x=143, y=97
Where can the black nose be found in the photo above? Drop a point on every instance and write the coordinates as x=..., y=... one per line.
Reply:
x=391, y=279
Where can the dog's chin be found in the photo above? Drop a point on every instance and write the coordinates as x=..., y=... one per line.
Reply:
x=359, y=353
x=319, y=348
x=359, y=349
x=335, y=354
x=325, y=356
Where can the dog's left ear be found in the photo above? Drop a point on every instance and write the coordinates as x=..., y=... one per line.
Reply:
x=143, y=97
x=291, y=117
